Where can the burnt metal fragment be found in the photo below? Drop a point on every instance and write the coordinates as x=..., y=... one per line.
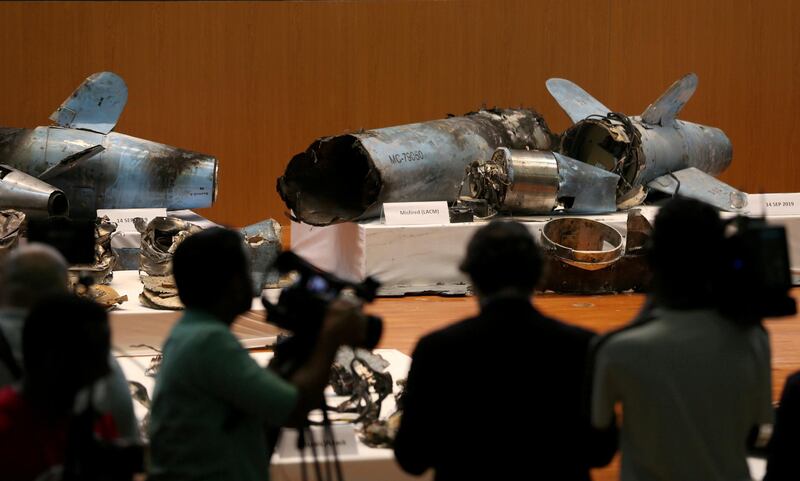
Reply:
x=160, y=238
x=11, y=222
x=361, y=374
x=348, y=177
x=263, y=242
x=102, y=270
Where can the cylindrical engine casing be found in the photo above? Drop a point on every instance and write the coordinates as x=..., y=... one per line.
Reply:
x=30, y=195
x=533, y=180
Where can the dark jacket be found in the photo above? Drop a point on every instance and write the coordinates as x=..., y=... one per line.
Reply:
x=784, y=447
x=500, y=396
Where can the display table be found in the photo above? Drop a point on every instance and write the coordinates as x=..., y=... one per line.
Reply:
x=409, y=259
x=369, y=464
x=133, y=323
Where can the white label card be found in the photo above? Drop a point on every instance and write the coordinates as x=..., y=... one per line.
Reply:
x=124, y=217
x=344, y=436
x=773, y=204
x=416, y=213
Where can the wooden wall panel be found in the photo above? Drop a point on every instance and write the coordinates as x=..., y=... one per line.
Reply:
x=255, y=82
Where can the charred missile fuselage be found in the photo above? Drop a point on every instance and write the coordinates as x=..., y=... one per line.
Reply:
x=127, y=172
x=654, y=151
x=349, y=177
x=80, y=165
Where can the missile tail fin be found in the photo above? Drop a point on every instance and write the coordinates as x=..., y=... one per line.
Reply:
x=576, y=102
x=95, y=105
x=664, y=110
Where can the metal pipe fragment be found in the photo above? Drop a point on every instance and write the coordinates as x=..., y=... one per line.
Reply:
x=349, y=177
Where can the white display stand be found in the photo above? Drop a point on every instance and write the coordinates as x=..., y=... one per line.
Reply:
x=368, y=465
x=424, y=258
x=133, y=323
x=408, y=259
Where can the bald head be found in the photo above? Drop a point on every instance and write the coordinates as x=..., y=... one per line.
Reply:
x=30, y=273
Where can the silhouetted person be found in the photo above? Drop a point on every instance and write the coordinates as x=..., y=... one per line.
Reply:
x=212, y=401
x=692, y=383
x=65, y=343
x=784, y=447
x=27, y=275
x=499, y=396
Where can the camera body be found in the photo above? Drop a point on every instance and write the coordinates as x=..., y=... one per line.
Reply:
x=301, y=309
x=755, y=276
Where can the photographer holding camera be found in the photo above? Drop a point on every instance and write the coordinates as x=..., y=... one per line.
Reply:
x=693, y=383
x=211, y=400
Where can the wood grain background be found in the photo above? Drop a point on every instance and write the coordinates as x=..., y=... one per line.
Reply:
x=255, y=82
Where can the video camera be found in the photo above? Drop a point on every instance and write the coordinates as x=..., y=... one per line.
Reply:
x=302, y=306
x=755, y=278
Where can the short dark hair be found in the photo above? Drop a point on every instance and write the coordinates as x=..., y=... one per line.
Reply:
x=61, y=327
x=502, y=254
x=206, y=260
x=685, y=253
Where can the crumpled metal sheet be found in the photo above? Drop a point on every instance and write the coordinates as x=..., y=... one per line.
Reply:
x=263, y=241
x=618, y=269
x=10, y=226
x=102, y=271
x=160, y=238
x=349, y=177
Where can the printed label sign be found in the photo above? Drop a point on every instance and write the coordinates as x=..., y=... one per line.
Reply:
x=344, y=436
x=124, y=217
x=773, y=204
x=416, y=213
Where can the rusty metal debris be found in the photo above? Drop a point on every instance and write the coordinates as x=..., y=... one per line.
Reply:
x=537, y=182
x=589, y=257
x=80, y=165
x=102, y=270
x=643, y=149
x=11, y=222
x=348, y=177
x=160, y=238
x=263, y=242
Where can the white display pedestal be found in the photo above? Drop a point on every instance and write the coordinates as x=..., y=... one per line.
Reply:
x=424, y=258
x=408, y=259
x=368, y=465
